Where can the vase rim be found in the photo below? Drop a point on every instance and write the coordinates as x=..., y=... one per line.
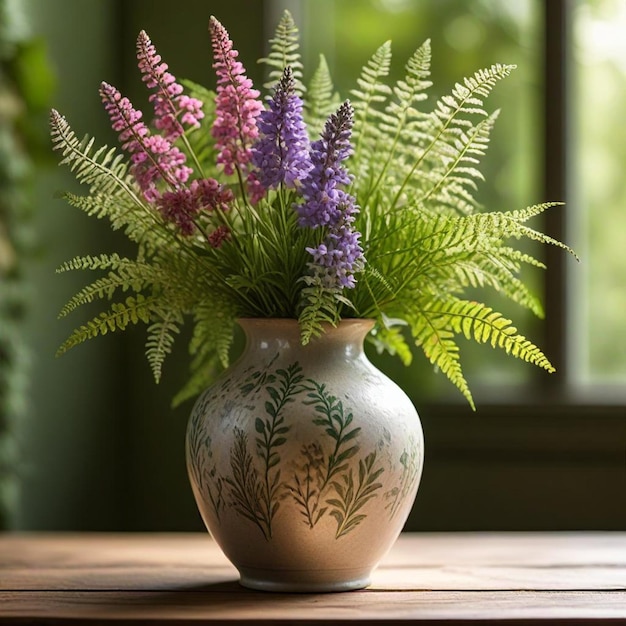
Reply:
x=364, y=324
x=293, y=319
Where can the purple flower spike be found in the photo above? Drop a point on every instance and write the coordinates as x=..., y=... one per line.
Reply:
x=339, y=256
x=324, y=203
x=282, y=152
x=169, y=102
x=237, y=105
x=153, y=157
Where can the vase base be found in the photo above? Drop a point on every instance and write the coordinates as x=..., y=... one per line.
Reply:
x=302, y=581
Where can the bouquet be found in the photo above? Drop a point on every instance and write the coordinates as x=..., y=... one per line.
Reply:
x=299, y=205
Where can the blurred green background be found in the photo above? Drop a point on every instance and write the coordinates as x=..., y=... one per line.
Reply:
x=88, y=441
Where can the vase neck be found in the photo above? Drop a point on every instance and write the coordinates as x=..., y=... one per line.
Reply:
x=273, y=334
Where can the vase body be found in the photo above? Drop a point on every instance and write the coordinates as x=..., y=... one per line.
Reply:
x=304, y=460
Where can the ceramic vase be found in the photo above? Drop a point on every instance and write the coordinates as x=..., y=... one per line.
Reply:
x=304, y=460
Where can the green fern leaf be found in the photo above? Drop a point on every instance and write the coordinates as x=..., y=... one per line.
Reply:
x=102, y=262
x=445, y=134
x=447, y=186
x=284, y=51
x=371, y=91
x=132, y=311
x=161, y=336
x=387, y=338
x=213, y=330
x=320, y=307
x=125, y=274
x=399, y=122
x=431, y=331
x=105, y=171
x=482, y=324
x=321, y=99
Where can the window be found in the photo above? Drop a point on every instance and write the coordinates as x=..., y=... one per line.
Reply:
x=599, y=190
x=464, y=37
x=542, y=451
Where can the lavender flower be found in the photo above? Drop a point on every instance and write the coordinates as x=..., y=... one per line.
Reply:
x=324, y=203
x=169, y=101
x=237, y=104
x=339, y=256
x=281, y=153
x=153, y=157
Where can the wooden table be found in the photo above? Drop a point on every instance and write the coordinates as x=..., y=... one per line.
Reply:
x=436, y=578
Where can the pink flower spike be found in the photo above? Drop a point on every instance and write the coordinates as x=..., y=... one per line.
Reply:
x=237, y=103
x=153, y=157
x=168, y=99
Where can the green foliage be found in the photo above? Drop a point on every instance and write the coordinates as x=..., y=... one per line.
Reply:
x=425, y=238
x=321, y=98
x=284, y=51
x=26, y=82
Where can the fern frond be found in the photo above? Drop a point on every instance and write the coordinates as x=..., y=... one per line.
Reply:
x=321, y=99
x=160, y=341
x=388, y=338
x=431, y=331
x=125, y=274
x=104, y=170
x=210, y=345
x=482, y=324
x=468, y=98
x=101, y=262
x=371, y=92
x=132, y=311
x=399, y=121
x=448, y=124
x=509, y=224
x=320, y=307
x=213, y=331
x=523, y=215
x=116, y=209
x=143, y=227
x=448, y=186
x=284, y=51
x=491, y=270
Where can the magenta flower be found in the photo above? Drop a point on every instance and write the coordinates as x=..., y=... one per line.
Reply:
x=237, y=104
x=153, y=157
x=180, y=208
x=184, y=205
x=282, y=152
x=172, y=109
x=219, y=236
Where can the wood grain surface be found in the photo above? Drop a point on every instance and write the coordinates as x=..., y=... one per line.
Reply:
x=443, y=578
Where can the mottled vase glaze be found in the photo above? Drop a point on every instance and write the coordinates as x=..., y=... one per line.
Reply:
x=304, y=460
